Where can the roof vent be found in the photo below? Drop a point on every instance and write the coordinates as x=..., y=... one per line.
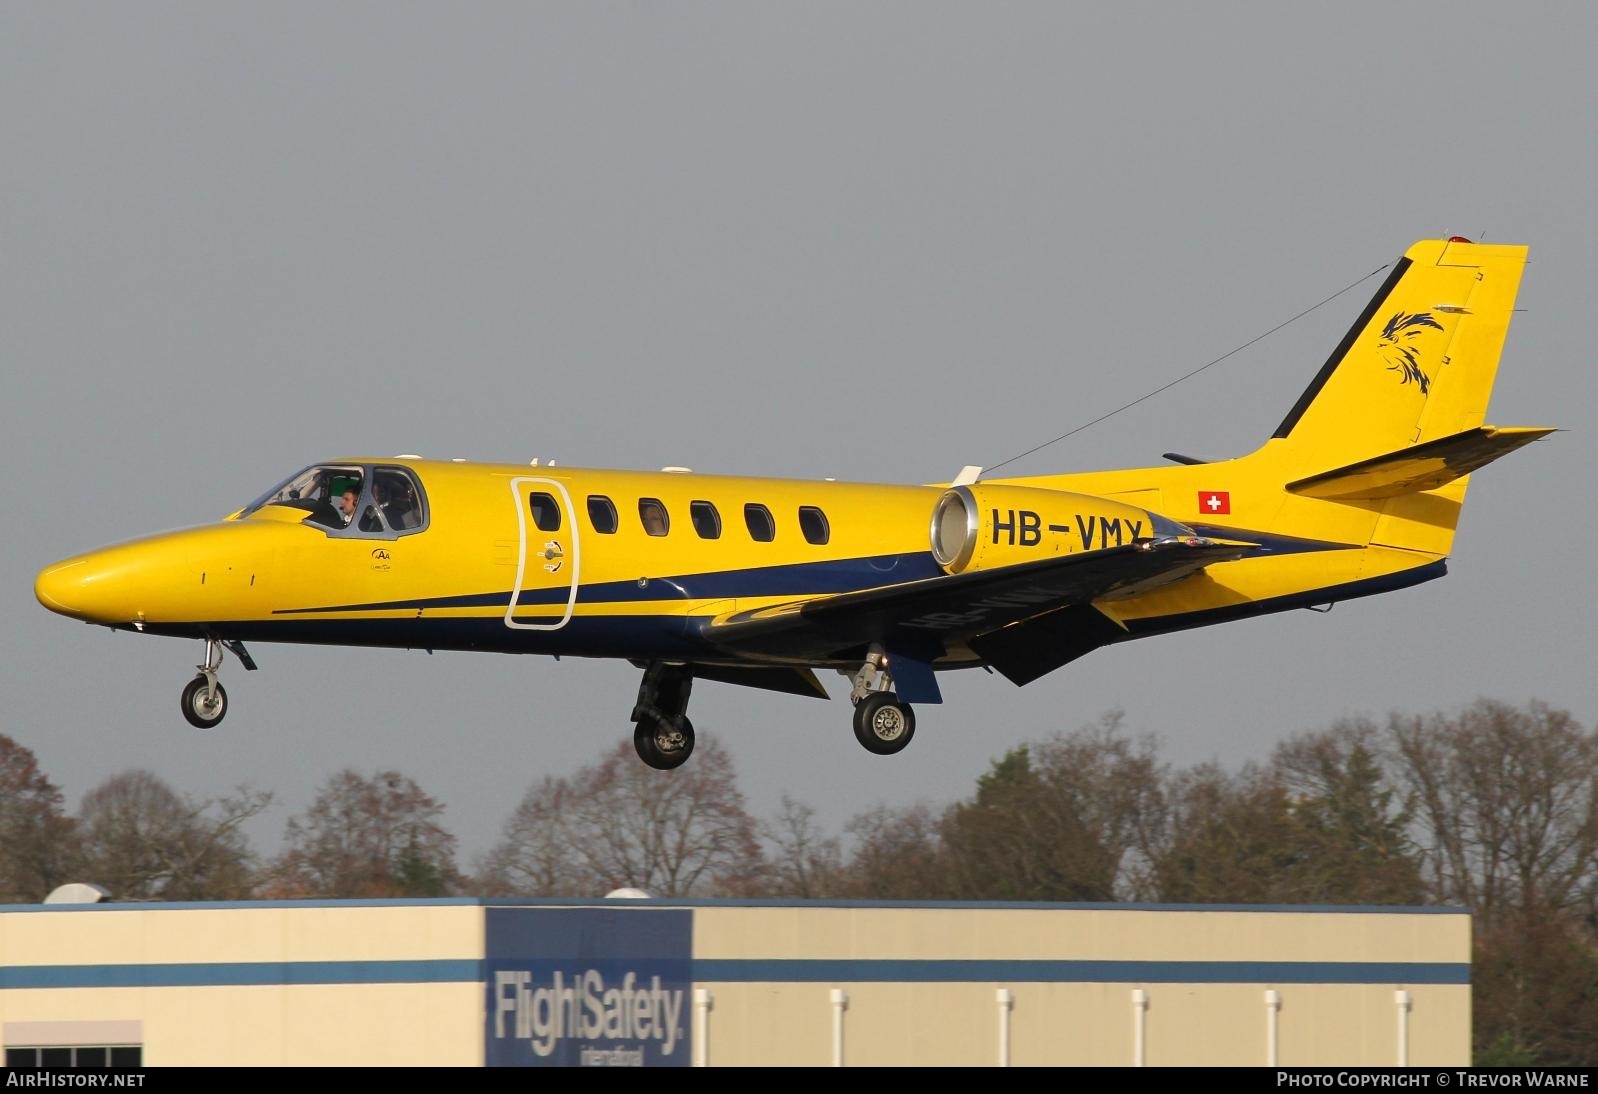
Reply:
x=78, y=892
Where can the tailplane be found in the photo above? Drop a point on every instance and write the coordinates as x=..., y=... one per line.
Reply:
x=1418, y=468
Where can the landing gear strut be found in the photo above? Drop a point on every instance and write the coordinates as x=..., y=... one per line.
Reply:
x=204, y=700
x=881, y=723
x=664, y=738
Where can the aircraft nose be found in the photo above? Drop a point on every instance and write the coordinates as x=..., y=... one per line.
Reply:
x=61, y=587
x=96, y=587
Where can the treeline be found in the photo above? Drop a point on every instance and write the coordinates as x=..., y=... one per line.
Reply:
x=1493, y=807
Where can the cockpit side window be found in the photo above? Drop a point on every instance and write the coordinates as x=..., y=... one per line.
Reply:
x=399, y=496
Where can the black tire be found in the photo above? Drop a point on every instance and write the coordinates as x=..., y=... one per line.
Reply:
x=663, y=745
x=200, y=714
x=883, y=724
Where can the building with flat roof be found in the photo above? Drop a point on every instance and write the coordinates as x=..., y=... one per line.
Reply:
x=674, y=983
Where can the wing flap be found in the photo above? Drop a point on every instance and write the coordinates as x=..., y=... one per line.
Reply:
x=1032, y=648
x=1419, y=468
x=789, y=680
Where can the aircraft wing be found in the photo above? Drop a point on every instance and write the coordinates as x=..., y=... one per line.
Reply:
x=920, y=619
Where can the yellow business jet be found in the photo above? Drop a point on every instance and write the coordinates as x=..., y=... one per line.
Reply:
x=762, y=581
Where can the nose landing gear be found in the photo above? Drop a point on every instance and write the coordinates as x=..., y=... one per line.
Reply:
x=204, y=701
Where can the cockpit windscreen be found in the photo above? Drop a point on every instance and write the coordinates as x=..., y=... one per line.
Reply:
x=381, y=501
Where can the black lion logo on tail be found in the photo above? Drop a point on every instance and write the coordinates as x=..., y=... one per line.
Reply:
x=1398, y=348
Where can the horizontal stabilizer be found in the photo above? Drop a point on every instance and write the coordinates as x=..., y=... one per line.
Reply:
x=1418, y=468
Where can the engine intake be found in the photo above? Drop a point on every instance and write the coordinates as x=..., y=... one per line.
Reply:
x=979, y=527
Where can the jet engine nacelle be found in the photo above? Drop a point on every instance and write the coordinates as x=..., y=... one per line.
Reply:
x=980, y=527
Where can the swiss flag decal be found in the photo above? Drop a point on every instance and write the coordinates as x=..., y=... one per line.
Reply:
x=1214, y=502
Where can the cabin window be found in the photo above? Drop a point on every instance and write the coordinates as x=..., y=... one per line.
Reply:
x=74, y=1056
x=546, y=513
x=654, y=517
x=602, y=514
x=813, y=523
x=762, y=529
x=707, y=522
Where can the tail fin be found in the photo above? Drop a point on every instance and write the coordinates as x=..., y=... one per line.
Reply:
x=1418, y=364
x=1393, y=423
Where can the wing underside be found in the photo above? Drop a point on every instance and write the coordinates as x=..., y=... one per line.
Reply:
x=923, y=620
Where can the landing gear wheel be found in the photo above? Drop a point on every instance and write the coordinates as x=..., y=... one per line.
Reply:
x=202, y=711
x=663, y=745
x=883, y=724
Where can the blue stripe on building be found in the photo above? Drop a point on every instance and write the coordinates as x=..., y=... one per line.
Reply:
x=243, y=973
x=753, y=970
x=841, y=970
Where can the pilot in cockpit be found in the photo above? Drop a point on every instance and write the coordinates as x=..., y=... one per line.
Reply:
x=347, y=507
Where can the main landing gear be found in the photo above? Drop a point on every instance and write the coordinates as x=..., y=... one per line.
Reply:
x=881, y=723
x=664, y=737
x=204, y=699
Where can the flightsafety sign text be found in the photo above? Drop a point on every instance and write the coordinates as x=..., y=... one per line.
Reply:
x=588, y=987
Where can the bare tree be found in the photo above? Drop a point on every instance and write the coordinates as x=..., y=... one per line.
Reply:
x=620, y=824
x=896, y=854
x=38, y=847
x=368, y=837
x=144, y=841
x=1508, y=804
x=535, y=855
x=803, y=861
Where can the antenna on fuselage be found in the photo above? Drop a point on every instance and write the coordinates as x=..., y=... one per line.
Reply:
x=968, y=475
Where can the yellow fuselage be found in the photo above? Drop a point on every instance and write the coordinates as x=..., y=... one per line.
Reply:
x=272, y=576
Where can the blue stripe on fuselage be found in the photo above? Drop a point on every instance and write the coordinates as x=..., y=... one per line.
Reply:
x=844, y=575
x=1271, y=543
x=676, y=637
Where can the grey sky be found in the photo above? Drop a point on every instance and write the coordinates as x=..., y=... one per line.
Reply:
x=865, y=241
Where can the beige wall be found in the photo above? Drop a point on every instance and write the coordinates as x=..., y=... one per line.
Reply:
x=319, y=1025
x=796, y=931
x=414, y=1024
x=123, y=934
x=1083, y=1023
